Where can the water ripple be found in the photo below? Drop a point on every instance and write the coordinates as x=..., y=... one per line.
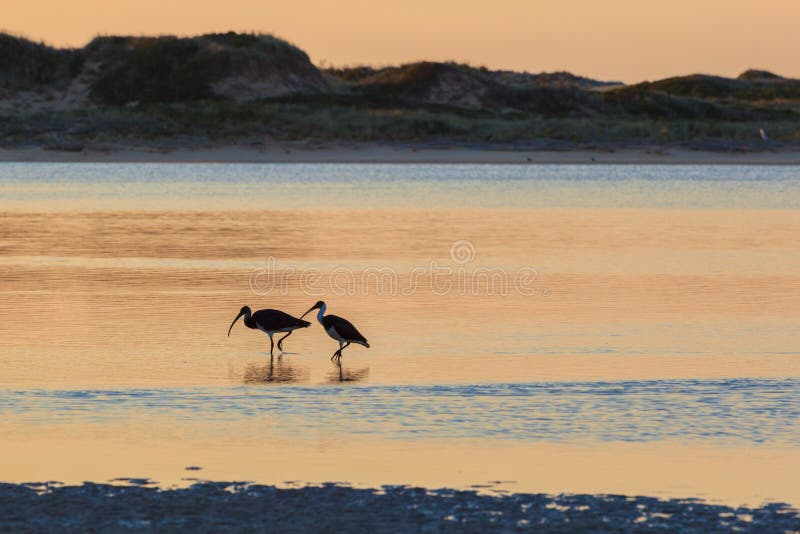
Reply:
x=722, y=411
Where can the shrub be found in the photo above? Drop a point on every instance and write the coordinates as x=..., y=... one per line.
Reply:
x=171, y=69
x=24, y=63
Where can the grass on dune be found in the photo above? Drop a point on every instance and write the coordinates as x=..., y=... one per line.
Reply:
x=224, y=121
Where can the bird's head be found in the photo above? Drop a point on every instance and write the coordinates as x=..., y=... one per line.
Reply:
x=244, y=311
x=320, y=305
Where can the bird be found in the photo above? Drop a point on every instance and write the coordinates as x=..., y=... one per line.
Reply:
x=270, y=321
x=339, y=329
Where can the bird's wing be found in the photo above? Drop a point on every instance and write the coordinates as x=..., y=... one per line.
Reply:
x=346, y=329
x=276, y=320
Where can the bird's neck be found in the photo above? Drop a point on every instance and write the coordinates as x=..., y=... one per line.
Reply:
x=248, y=320
x=321, y=313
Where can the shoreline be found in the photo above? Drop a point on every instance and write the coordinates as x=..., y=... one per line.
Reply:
x=395, y=154
x=240, y=506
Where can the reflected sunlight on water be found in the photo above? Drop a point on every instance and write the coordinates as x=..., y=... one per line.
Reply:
x=660, y=312
x=729, y=412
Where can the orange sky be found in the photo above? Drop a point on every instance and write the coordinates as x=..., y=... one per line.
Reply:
x=627, y=40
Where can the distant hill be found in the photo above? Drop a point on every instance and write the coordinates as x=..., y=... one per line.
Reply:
x=118, y=70
x=121, y=70
x=462, y=86
x=361, y=74
x=236, y=86
x=750, y=85
x=237, y=67
x=755, y=74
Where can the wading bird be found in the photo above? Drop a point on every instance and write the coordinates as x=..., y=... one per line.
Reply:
x=270, y=321
x=339, y=329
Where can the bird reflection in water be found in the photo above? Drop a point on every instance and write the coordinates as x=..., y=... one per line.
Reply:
x=274, y=372
x=342, y=374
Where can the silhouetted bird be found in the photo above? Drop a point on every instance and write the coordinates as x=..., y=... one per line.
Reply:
x=339, y=329
x=270, y=322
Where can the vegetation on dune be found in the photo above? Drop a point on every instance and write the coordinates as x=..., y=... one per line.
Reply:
x=150, y=70
x=260, y=123
x=756, y=74
x=553, y=79
x=411, y=72
x=458, y=85
x=25, y=64
x=172, y=69
x=750, y=86
x=248, y=87
x=637, y=101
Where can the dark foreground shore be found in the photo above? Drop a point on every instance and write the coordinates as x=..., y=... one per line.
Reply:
x=226, y=507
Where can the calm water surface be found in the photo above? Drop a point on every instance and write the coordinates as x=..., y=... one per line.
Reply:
x=627, y=329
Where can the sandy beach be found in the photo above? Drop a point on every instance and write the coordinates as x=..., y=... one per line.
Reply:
x=400, y=153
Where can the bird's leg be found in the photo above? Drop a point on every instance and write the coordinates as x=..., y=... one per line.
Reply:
x=341, y=349
x=271, y=369
x=280, y=346
x=338, y=352
x=271, y=343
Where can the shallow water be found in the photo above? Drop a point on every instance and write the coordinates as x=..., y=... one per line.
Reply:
x=560, y=317
x=765, y=410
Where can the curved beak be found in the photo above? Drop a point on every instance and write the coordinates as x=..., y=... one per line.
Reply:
x=234, y=322
x=312, y=308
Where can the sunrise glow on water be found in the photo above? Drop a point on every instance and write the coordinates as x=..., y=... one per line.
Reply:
x=657, y=328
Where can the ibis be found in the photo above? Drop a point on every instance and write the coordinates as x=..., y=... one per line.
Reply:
x=338, y=328
x=270, y=322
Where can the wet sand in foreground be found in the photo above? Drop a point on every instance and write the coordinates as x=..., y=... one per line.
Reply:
x=227, y=507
